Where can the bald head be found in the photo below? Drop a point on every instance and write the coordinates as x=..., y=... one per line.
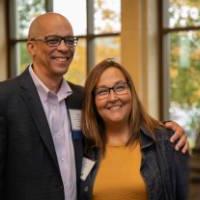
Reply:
x=48, y=23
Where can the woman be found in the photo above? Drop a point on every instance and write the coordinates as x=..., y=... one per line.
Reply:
x=128, y=153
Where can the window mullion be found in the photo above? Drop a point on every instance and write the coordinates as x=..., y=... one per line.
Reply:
x=49, y=5
x=90, y=53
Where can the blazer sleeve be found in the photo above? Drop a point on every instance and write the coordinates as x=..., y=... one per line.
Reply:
x=2, y=153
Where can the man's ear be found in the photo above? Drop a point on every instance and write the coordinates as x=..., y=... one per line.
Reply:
x=31, y=48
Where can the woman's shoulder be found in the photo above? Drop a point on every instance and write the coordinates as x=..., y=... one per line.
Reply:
x=163, y=134
x=162, y=139
x=163, y=143
x=160, y=133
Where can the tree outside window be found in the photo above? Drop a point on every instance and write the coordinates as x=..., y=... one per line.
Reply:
x=182, y=41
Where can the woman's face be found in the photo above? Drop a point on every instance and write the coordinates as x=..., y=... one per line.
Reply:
x=113, y=97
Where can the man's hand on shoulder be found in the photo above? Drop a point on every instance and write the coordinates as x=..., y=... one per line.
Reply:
x=179, y=137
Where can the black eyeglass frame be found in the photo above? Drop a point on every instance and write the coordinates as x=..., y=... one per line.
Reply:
x=55, y=40
x=106, y=90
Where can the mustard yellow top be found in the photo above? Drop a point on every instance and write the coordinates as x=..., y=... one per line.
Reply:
x=118, y=176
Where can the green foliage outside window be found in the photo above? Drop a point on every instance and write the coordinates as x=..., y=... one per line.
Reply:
x=184, y=62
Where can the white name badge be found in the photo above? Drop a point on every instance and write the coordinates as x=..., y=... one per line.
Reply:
x=75, y=116
x=87, y=166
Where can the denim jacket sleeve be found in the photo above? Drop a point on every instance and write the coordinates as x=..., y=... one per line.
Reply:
x=181, y=169
x=177, y=167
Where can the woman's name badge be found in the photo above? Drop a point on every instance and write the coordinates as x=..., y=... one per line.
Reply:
x=75, y=116
x=87, y=166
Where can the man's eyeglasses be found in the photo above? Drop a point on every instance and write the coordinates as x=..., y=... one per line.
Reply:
x=54, y=41
x=119, y=88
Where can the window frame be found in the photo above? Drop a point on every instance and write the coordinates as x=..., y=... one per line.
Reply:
x=164, y=32
x=89, y=36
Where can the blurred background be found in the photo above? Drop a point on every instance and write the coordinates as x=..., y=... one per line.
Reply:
x=158, y=41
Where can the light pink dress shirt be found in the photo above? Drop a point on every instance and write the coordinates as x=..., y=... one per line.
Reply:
x=56, y=112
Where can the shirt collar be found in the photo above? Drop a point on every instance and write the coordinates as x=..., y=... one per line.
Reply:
x=63, y=92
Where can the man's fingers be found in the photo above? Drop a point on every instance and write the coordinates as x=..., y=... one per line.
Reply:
x=185, y=148
x=175, y=137
x=179, y=136
x=178, y=131
x=171, y=125
x=181, y=143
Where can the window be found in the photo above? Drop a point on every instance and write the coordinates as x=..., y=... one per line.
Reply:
x=21, y=13
x=97, y=23
x=181, y=66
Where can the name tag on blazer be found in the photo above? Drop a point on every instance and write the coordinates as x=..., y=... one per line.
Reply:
x=87, y=166
x=75, y=116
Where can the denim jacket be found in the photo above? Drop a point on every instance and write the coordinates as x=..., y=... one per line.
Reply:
x=165, y=170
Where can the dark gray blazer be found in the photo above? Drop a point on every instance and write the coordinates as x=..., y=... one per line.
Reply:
x=28, y=164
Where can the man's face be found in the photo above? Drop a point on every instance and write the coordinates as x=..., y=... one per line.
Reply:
x=52, y=60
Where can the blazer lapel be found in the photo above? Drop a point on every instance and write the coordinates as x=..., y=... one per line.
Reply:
x=32, y=100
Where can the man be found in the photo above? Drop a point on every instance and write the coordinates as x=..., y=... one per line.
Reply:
x=40, y=139
x=38, y=156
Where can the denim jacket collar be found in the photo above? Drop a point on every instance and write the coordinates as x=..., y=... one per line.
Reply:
x=146, y=138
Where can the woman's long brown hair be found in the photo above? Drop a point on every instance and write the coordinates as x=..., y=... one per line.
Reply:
x=92, y=124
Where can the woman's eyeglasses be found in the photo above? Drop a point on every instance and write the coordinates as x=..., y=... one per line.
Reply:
x=119, y=88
